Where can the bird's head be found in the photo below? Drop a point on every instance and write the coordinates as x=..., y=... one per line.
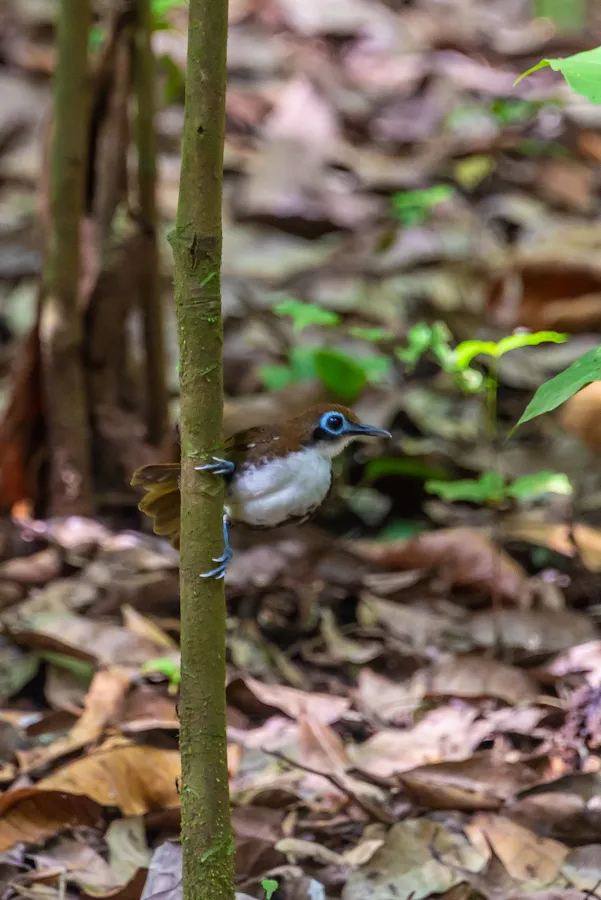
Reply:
x=330, y=428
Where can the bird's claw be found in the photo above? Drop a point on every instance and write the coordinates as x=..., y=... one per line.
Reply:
x=217, y=467
x=226, y=557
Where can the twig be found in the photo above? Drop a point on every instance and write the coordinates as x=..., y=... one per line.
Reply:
x=380, y=815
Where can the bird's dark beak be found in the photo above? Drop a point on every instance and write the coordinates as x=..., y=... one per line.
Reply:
x=368, y=431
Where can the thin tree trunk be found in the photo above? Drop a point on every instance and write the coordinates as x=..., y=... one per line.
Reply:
x=150, y=294
x=196, y=241
x=61, y=320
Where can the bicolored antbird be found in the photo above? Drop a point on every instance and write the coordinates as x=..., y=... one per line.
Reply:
x=274, y=474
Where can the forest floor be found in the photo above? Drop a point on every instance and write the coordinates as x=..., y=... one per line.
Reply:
x=414, y=684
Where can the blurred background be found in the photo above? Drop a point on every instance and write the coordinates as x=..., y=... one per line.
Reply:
x=389, y=193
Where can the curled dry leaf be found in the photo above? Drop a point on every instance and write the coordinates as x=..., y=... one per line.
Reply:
x=467, y=558
x=30, y=815
x=134, y=778
x=583, y=659
x=526, y=856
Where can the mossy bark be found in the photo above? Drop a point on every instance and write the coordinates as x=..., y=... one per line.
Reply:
x=61, y=322
x=196, y=242
x=150, y=295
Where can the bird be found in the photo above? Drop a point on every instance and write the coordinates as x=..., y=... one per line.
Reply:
x=274, y=474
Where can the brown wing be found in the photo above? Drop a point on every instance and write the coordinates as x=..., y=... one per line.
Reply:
x=162, y=499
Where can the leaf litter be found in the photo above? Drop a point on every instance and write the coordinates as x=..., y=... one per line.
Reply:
x=414, y=685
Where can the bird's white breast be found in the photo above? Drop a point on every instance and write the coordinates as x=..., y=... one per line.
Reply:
x=286, y=487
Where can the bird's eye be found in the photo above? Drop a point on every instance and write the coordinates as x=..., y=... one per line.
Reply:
x=333, y=422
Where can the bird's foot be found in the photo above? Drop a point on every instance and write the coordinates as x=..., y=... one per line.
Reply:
x=226, y=557
x=217, y=467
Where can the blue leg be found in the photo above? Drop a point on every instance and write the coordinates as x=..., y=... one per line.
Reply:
x=217, y=467
x=225, y=558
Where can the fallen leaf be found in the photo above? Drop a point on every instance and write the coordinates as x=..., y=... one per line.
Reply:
x=477, y=676
x=419, y=858
x=128, y=849
x=526, y=856
x=468, y=559
x=447, y=733
x=80, y=864
x=32, y=814
x=581, y=659
x=102, y=704
x=534, y=630
x=385, y=699
x=557, y=537
x=292, y=702
x=135, y=778
x=480, y=782
x=582, y=868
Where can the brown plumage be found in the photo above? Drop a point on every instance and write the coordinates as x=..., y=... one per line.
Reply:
x=246, y=450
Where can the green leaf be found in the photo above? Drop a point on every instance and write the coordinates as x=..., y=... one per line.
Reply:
x=426, y=199
x=582, y=71
x=472, y=170
x=302, y=361
x=397, y=465
x=376, y=368
x=467, y=350
x=529, y=487
x=340, y=373
x=419, y=338
x=557, y=390
x=270, y=886
x=275, y=378
x=490, y=487
x=78, y=667
x=371, y=334
x=511, y=110
x=567, y=15
x=401, y=530
x=527, y=339
x=166, y=666
x=305, y=314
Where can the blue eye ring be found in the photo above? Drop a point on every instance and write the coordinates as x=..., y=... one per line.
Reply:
x=333, y=423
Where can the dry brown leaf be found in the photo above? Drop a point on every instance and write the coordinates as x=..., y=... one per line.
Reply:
x=477, y=676
x=92, y=641
x=388, y=701
x=30, y=815
x=292, y=702
x=147, y=629
x=419, y=858
x=534, y=630
x=135, y=778
x=525, y=855
x=320, y=747
x=557, y=537
x=447, y=733
x=418, y=627
x=582, y=658
x=465, y=556
x=102, y=704
x=480, y=782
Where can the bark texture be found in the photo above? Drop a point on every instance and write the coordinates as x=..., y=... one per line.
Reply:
x=196, y=240
x=61, y=319
x=150, y=295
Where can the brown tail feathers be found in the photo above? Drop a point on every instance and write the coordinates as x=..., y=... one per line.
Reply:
x=161, y=502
